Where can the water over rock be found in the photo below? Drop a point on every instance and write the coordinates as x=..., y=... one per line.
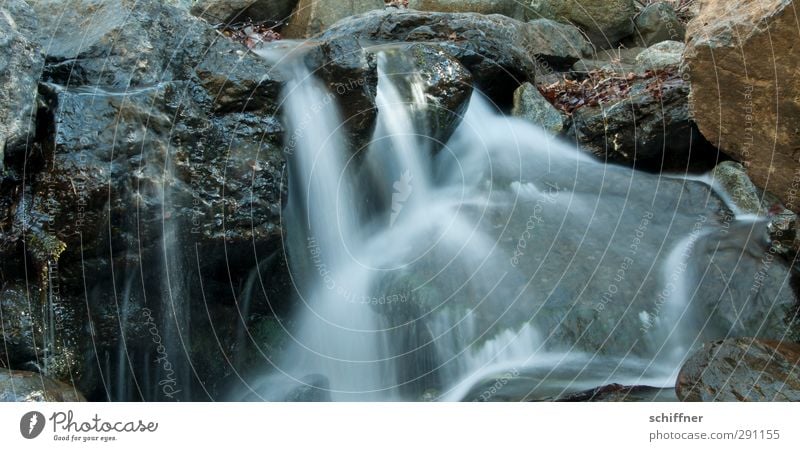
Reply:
x=24, y=386
x=21, y=65
x=500, y=52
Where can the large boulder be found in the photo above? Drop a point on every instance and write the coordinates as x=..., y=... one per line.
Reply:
x=312, y=17
x=161, y=155
x=606, y=22
x=24, y=386
x=500, y=52
x=510, y=8
x=742, y=369
x=658, y=22
x=743, y=66
x=21, y=63
x=226, y=11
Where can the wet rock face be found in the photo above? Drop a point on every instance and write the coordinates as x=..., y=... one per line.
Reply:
x=150, y=130
x=446, y=86
x=24, y=386
x=500, y=52
x=649, y=124
x=742, y=369
x=744, y=99
x=21, y=328
x=350, y=73
x=21, y=65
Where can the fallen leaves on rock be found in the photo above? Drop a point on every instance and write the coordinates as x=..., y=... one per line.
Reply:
x=605, y=87
x=251, y=34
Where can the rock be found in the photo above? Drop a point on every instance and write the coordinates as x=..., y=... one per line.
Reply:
x=619, y=393
x=658, y=22
x=619, y=60
x=665, y=54
x=648, y=124
x=731, y=178
x=24, y=386
x=312, y=17
x=606, y=22
x=742, y=369
x=154, y=129
x=314, y=388
x=233, y=11
x=501, y=53
x=510, y=8
x=446, y=85
x=21, y=65
x=742, y=63
x=559, y=43
x=21, y=327
x=350, y=75
x=531, y=105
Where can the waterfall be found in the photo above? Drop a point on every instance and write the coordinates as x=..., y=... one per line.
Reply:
x=507, y=263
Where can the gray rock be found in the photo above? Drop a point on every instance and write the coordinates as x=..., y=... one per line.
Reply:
x=225, y=11
x=619, y=60
x=732, y=179
x=658, y=22
x=501, y=53
x=510, y=8
x=21, y=65
x=24, y=386
x=742, y=369
x=661, y=56
x=559, y=40
x=312, y=17
x=606, y=22
x=531, y=105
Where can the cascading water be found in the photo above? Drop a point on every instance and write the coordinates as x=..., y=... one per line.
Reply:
x=504, y=259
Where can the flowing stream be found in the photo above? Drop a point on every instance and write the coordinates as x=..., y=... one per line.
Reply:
x=503, y=265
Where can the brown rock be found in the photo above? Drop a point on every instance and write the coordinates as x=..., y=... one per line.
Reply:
x=744, y=64
x=742, y=369
x=312, y=17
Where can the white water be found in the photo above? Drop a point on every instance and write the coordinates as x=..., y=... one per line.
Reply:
x=422, y=274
